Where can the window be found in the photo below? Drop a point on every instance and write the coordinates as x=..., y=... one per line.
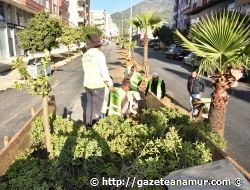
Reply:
x=1, y=12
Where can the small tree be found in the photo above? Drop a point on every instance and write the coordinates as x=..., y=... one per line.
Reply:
x=79, y=36
x=165, y=34
x=146, y=21
x=41, y=33
x=67, y=37
x=39, y=86
x=92, y=30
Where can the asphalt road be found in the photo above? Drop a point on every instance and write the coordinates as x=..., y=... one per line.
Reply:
x=175, y=75
x=67, y=87
x=15, y=105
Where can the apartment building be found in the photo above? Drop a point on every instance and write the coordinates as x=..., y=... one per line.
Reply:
x=188, y=12
x=14, y=16
x=79, y=12
x=104, y=22
x=180, y=20
x=243, y=6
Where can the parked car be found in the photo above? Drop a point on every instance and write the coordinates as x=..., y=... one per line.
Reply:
x=189, y=59
x=192, y=59
x=152, y=42
x=175, y=52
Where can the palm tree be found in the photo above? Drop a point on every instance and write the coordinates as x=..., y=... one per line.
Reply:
x=223, y=43
x=146, y=21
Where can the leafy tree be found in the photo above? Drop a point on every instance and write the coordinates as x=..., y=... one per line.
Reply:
x=146, y=21
x=165, y=34
x=223, y=42
x=92, y=30
x=39, y=86
x=68, y=36
x=41, y=33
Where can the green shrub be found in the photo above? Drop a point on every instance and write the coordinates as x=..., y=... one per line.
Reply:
x=114, y=147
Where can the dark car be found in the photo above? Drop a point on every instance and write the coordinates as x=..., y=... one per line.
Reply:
x=152, y=43
x=175, y=52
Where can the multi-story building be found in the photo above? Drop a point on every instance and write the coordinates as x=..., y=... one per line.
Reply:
x=244, y=6
x=201, y=8
x=79, y=11
x=188, y=12
x=103, y=21
x=14, y=16
x=98, y=18
x=180, y=20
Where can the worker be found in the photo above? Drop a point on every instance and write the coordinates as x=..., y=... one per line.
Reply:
x=133, y=98
x=157, y=86
x=136, y=79
x=96, y=77
x=119, y=104
x=129, y=71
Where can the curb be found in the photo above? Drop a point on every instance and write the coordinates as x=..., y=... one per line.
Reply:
x=54, y=67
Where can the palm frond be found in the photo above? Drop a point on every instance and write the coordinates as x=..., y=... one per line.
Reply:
x=221, y=39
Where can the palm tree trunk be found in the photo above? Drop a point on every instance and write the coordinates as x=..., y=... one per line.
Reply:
x=145, y=55
x=217, y=114
x=46, y=124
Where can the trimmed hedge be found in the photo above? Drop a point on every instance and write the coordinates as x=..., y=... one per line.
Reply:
x=150, y=148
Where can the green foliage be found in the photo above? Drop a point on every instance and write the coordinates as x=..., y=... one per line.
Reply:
x=41, y=33
x=37, y=134
x=147, y=20
x=91, y=30
x=114, y=147
x=39, y=86
x=217, y=140
x=165, y=34
x=67, y=36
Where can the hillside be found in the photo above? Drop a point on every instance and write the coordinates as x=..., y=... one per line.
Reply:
x=162, y=7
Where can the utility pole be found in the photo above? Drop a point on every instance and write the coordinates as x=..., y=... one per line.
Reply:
x=122, y=23
x=130, y=33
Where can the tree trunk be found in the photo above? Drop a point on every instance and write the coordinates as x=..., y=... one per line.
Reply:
x=68, y=51
x=46, y=124
x=145, y=55
x=217, y=113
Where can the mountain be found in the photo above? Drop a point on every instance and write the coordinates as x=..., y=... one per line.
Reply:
x=162, y=7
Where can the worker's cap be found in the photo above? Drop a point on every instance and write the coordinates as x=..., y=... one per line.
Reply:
x=94, y=41
x=155, y=74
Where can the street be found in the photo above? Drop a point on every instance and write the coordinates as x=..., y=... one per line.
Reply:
x=67, y=88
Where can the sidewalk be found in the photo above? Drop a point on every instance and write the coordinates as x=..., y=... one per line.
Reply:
x=8, y=77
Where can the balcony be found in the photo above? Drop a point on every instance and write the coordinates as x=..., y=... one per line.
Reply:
x=242, y=2
x=80, y=9
x=33, y=6
x=63, y=5
x=81, y=2
x=199, y=6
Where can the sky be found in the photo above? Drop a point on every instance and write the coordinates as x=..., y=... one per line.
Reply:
x=112, y=6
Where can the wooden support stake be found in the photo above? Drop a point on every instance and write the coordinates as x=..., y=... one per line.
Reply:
x=33, y=111
x=6, y=140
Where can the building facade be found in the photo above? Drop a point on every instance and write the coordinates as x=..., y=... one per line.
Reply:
x=79, y=12
x=14, y=16
x=104, y=22
x=188, y=12
x=243, y=6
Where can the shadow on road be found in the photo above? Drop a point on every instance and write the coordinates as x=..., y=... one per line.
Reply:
x=117, y=63
x=84, y=105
